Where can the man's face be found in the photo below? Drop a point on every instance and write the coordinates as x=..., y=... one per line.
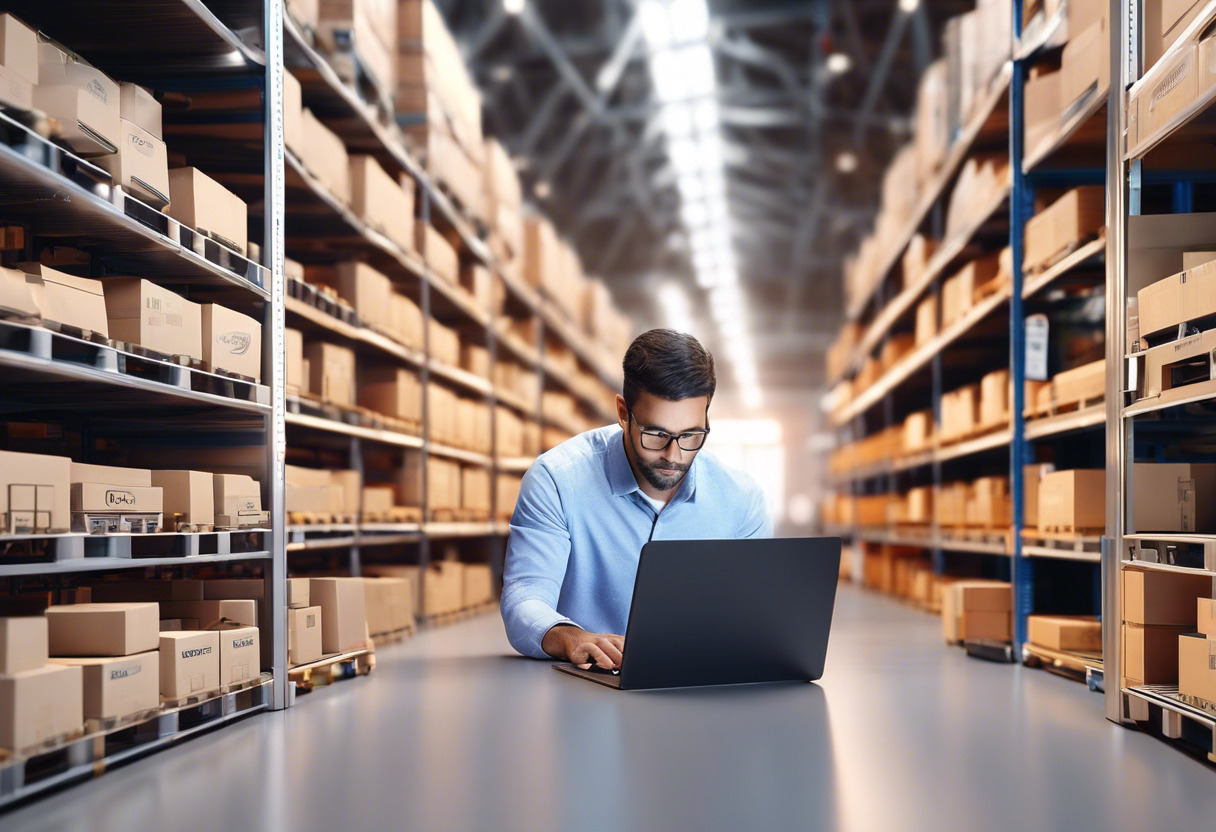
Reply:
x=664, y=469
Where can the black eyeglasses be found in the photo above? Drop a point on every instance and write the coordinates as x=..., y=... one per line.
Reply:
x=658, y=440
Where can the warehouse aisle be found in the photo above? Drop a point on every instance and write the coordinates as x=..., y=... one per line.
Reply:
x=452, y=733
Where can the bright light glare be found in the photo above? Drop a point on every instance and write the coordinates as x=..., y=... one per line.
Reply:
x=695, y=214
x=513, y=6
x=676, y=309
x=677, y=120
x=908, y=6
x=838, y=63
x=692, y=187
x=682, y=74
x=693, y=19
x=656, y=24
x=846, y=162
x=705, y=116
x=753, y=399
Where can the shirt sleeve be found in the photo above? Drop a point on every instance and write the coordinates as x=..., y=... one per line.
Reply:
x=758, y=522
x=538, y=550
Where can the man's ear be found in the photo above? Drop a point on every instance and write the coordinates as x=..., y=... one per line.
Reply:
x=622, y=411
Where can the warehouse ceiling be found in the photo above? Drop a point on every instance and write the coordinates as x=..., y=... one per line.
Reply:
x=812, y=100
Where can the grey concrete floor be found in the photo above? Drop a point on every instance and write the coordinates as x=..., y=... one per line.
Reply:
x=452, y=732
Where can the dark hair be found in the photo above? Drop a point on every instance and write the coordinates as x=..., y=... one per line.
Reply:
x=668, y=364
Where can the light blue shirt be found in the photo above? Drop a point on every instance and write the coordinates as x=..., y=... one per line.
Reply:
x=580, y=524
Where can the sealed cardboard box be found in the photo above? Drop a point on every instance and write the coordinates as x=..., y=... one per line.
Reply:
x=95, y=497
x=475, y=489
x=297, y=592
x=189, y=497
x=239, y=654
x=1163, y=599
x=1207, y=617
x=958, y=291
x=115, y=687
x=1031, y=476
x=1174, y=497
x=1084, y=384
x=442, y=587
x=198, y=201
x=141, y=165
x=140, y=107
x=926, y=320
x=406, y=320
x=238, y=498
x=476, y=359
x=1170, y=91
x=16, y=299
x=110, y=475
x=440, y=256
x=232, y=342
x=189, y=662
x=325, y=158
x=303, y=635
x=332, y=371
x=23, y=644
x=293, y=114
x=994, y=399
x=297, y=382
x=311, y=491
x=1165, y=21
x=1043, y=107
x=214, y=613
x=140, y=312
x=992, y=625
x=381, y=201
x=66, y=299
x=1073, y=500
x=1197, y=667
x=389, y=602
x=1177, y=299
x=35, y=493
x=40, y=705
x=976, y=609
x=1067, y=222
x=478, y=584
x=83, y=101
x=120, y=629
x=367, y=290
x=18, y=48
x=393, y=391
x=444, y=344
x=1150, y=654
x=1076, y=633
x=343, y=613
x=1085, y=66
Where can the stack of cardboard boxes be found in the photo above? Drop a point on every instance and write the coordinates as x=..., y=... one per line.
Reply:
x=39, y=701
x=1176, y=80
x=977, y=609
x=1159, y=609
x=358, y=37
x=303, y=624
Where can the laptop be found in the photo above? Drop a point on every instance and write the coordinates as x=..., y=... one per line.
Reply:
x=726, y=612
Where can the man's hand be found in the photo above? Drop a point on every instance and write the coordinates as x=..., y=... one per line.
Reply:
x=579, y=647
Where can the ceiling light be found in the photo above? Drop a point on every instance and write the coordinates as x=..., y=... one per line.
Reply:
x=846, y=162
x=683, y=74
x=705, y=116
x=908, y=6
x=838, y=63
x=512, y=6
x=677, y=120
x=693, y=17
x=656, y=24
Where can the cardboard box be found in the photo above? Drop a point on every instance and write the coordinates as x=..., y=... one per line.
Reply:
x=441, y=257
x=1043, y=107
x=378, y=499
x=239, y=654
x=988, y=503
x=189, y=497
x=1163, y=599
x=1085, y=66
x=310, y=490
x=1206, y=623
x=120, y=629
x=332, y=372
x=1164, y=23
x=1031, y=476
x=994, y=399
x=23, y=644
x=1086, y=383
x=115, y=687
x=478, y=584
x=1072, y=219
x=297, y=381
x=297, y=592
x=1171, y=91
x=343, y=613
x=140, y=107
x=393, y=391
x=35, y=493
x=40, y=705
x=406, y=321
x=475, y=488
x=1197, y=667
x=384, y=203
x=140, y=312
x=189, y=662
x=1174, y=497
x=367, y=290
x=1075, y=633
x=1073, y=500
x=16, y=300
x=95, y=497
x=1150, y=654
x=82, y=100
x=237, y=497
x=303, y=635
x=201, y=203
x=926, y=320
x=476, y=359
x=1182, y=297
x=294, y=138
x=958, y=291
x=443, y=587
x=977, y=609
x=110, y=475
x=214, y=613
x=325, y=158
x=232, y=342
x=15, y=91
x=389, y=602
x=67, y=299
x=141, y=165
x=444, y=344
x=18, y=48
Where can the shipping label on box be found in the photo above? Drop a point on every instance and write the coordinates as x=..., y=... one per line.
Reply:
x=93, y=497
x=189, y=662
x=239, y=654
x=141, y=312
x=232, y=342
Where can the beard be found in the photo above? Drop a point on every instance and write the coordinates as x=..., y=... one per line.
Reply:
x=664, y=477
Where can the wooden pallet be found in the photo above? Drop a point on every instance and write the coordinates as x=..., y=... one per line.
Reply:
x=97, y=726
x=202, y=696
x=1069, y=532
x=1063, y=663
x=330, y=669
x=447, y=618
x=318, y=518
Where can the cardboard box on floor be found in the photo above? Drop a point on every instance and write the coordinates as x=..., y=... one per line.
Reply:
x=1163, y=599
x=303, y=635
x=115, y=687
x=35, y=493
x=1076, y=633
x=23, y=644
x=332, y=371
x=1174, y=497
x=343, y=613
x=977, y=609
x=40, y=705
x=189, y=662
x=119, y=629
x=232, y=342
x=199, y=202
x=189, y=497
x=140, y=312
x=1073, y=500
x=66, y=299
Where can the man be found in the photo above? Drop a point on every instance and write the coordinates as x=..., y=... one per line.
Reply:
x=588, y=506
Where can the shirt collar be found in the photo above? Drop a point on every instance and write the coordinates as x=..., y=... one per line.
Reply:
x=621, y=478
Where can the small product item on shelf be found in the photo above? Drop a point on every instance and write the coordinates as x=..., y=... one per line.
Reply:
x=189, y=500
x=109, y=500
x=82, y=101
x=201, y=203
x=238, y=502
x=154, y=318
